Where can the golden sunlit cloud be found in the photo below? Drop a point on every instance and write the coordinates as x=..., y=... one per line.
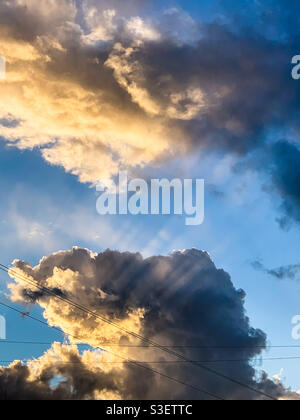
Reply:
x=84, y=105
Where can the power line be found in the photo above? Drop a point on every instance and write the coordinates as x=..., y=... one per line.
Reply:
x=128, y=361
x=148, y=341
x=162, y=362
x=155, y=362
x=39, y=343
x=150, y=347
x=202, y=347
x=26, y=342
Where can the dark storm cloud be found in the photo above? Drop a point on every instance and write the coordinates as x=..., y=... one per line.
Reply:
x=183, y=300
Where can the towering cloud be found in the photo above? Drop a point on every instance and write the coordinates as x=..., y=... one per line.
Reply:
x=179, y=300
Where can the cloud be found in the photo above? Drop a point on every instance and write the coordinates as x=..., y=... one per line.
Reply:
x=289, y=272
x=285, y=175
x=182, y=299
x=279, y=376
x=97, y=86
x=277, y=164
x=86, y=376
x=139, y=29
x=88, y=125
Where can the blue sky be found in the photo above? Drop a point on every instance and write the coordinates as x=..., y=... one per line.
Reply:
x=33, y=226
x=45, y=208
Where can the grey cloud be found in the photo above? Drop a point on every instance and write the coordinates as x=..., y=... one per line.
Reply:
x=241, y=77
x=285, y=174
x=289, y=272
x=185, y=300
x=278, y=163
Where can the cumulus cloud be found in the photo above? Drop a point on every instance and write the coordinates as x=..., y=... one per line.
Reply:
x=182, y=299
x=96, y=86
x=79, y=376
x=64, y=97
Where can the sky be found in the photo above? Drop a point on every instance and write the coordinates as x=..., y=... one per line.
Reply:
x=174, y=89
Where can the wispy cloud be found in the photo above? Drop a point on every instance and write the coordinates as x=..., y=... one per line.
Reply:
x=288, y=272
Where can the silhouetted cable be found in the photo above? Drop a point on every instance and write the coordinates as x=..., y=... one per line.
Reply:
x=126, y=360
x=133, y=334
x=162, y=362
x=151, y=347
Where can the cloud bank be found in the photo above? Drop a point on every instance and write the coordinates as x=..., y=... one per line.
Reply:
x=97, y=86
x=182, y=299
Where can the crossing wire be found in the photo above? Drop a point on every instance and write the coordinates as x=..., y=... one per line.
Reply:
x=126, y=360
x=133, y=334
